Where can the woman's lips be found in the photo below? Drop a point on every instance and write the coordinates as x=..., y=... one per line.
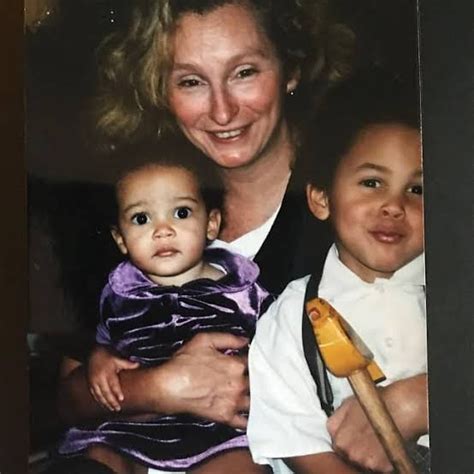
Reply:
x=387, y=237
x=228, y=135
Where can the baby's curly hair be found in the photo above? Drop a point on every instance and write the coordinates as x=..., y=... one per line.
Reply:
x=174, y=152
x=134, y=65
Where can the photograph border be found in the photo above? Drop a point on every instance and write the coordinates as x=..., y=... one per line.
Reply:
x=447, y=72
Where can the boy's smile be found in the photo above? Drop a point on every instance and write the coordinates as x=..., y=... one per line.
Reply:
x=376, y=203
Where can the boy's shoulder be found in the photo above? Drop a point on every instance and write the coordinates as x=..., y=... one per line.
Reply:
x=286, y=308
x=295, y=288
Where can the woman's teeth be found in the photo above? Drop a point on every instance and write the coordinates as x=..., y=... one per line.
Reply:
x=230, y=134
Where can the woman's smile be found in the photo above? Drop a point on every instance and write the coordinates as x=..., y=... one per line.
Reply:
x=226, y=86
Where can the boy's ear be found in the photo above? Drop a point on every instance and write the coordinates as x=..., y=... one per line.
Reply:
x=117, y=236
x=318, y=202
x=213, y=224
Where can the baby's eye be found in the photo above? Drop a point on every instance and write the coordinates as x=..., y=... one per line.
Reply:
x=371, y=183
x=182, y=213
x=246, y=72
x=416, y=189
x=140, y=218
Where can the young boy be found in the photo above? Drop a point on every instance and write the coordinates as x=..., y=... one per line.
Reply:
x=367, y=181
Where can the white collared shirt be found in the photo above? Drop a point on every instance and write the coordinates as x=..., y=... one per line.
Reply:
x=286, y=418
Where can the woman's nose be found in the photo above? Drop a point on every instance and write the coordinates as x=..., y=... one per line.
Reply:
x=224, y=106
x=162, y=230
x=394, y=207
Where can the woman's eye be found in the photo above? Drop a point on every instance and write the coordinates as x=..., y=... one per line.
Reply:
x=371, y=183
x=182, y=213
x=247, y=72
x=416, y=189
x=140, y=218
x=188, y=83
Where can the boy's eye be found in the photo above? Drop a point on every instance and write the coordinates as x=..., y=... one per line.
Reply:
x=140, y=218
x=416, y=189
x=371, y=183
x=182, y=212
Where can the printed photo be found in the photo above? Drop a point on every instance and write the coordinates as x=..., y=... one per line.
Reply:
x=226, y=240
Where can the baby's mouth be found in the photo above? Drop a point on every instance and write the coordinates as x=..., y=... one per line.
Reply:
x=167, y=252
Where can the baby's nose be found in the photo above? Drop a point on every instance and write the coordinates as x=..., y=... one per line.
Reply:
x=163, y=229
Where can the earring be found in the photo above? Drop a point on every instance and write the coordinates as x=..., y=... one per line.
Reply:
x=291, y=92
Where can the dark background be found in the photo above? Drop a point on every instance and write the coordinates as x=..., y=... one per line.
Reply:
x=62, y=70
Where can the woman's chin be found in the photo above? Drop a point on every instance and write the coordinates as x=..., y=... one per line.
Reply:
x=231, y=160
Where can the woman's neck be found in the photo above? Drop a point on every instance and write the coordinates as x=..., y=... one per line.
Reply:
x=254, y=192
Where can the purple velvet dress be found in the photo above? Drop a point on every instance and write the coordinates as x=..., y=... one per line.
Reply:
x=147, y=323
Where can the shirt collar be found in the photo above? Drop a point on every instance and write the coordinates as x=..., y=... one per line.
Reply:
x=240, y=272
x=338, y=279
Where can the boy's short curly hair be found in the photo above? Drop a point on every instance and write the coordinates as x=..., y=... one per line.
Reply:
x=371, y=97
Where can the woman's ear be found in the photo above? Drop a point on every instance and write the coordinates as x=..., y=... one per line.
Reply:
x=318, y=202
x=213, y=224
x=117, y=236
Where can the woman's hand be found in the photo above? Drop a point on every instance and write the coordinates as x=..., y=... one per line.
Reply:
x=199, y=380
x=353, y=437
x=204, y=382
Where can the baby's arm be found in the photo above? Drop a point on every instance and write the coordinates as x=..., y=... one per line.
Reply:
x=103, y=368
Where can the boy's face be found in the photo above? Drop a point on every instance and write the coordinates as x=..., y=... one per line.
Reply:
x=163, y=223
x=376, y=202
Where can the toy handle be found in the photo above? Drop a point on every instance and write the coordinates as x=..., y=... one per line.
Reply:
x=383, y=424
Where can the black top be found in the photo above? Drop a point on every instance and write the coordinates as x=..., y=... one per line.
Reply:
x=297, y=242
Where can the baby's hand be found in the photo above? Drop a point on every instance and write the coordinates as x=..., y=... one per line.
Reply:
x=102, y=374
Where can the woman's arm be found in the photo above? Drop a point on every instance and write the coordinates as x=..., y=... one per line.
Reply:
x=199, y=380
x=322, y=463
x=353, y=436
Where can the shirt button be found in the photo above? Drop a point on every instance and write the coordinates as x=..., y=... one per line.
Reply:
x=380, y=288
x=389, y=341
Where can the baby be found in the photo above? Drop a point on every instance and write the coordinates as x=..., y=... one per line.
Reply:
x=168, y=289
x=367, y=180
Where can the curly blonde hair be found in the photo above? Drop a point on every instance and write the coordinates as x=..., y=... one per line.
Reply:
x=134, y=65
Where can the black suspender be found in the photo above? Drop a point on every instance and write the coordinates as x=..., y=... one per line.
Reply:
x=312, y=354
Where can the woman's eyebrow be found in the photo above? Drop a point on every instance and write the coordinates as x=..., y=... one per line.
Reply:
x=246, y=56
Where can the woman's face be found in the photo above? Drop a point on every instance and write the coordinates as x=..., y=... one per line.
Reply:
x=226, y=86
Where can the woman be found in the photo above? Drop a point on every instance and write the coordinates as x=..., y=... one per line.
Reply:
x=235, y=78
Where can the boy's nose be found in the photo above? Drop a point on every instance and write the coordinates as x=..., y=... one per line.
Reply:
x=393, y=207
x=223, y=107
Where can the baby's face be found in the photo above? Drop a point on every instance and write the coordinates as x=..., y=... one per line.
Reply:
x=163, y=223
x=376, y=202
